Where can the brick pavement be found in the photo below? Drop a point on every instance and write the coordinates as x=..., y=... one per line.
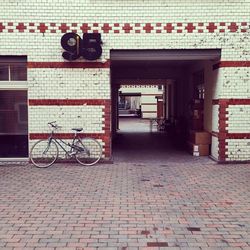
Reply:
x=195, y=204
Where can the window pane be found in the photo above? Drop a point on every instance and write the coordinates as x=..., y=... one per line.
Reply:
x=18, y=72
x=13, y=123
x=4, y=72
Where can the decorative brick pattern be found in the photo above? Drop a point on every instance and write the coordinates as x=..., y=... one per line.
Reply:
x=222, y=129
x=234, y=127
x=93, y=115
x=52, y=27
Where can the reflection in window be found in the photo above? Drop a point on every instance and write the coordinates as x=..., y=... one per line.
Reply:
x=4, y=72
x=18, y=72
x=13, y=123
x=13, y=68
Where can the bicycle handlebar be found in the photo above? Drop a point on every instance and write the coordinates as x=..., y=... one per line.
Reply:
x=54, y=125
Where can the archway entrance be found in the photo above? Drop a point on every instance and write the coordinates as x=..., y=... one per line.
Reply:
x=159, y=98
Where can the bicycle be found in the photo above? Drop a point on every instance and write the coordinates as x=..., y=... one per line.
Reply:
x=45, y=152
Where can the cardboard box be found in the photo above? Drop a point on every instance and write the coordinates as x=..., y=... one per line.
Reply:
x=198, y=149
x=199, y=137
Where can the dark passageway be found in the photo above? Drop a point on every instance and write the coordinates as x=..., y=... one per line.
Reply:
x=133, y=143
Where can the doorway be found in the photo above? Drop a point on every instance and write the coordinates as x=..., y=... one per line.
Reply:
x=181, y=74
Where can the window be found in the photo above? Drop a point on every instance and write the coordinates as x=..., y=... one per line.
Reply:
x=22, y=112
x=13, y=68
x=13, y=107
x=13, y=123
x=198, y=83
x=4, y=72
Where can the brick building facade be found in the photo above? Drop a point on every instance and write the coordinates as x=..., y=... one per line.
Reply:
x=79, y=92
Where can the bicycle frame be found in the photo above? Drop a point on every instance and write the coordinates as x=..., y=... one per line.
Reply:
x=60, y=143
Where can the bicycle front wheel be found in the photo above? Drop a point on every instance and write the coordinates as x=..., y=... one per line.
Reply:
x=90, y=153
x=44, y=153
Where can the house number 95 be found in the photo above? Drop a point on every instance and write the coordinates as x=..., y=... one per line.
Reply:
x=89, y=46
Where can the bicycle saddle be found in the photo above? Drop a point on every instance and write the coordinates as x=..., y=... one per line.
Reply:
x=77, y=129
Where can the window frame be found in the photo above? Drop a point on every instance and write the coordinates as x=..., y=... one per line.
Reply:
x=14, y=84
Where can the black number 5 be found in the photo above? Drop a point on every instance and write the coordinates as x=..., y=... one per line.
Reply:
x=91, y=46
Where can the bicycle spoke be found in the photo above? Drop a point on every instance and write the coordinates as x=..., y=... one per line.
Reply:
x=91, y=151
x=43, y=154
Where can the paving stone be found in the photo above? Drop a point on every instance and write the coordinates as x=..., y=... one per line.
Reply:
x=188, y=205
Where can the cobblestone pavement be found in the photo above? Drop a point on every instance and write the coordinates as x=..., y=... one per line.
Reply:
x=195, y=204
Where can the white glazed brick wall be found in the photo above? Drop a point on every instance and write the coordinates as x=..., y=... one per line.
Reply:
x=69, y=83
x=235, y=82
x=88, y=117
x=46, y=46
x=231, y=82
x=238, y=119
x=145, y=89
x=152, y=90
x=149, y=108
x=131, y=10
x=148, y=115
x=214, y=148
x=238, y=149
x=215, y=118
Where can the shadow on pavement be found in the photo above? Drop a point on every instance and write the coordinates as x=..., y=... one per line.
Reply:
x=151, y=147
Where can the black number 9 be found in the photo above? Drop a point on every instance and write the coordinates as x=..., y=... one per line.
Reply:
x=71, y=42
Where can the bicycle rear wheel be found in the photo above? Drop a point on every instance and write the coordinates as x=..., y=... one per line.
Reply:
x=44, y=153
x=91, y=151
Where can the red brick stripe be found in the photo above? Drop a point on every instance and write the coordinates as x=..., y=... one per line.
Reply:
x=232, y=101
x=67, y=102
x=81, y=65
x=232, y=135
x=239, y=101
x=238, y=136
x=38, y=136
x=215, y=101
x=227, y=64
x=222, y=130
x=107, y=128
